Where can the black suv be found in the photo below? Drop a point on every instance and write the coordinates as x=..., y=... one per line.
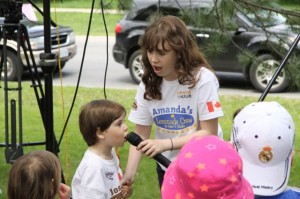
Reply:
x=265, y=42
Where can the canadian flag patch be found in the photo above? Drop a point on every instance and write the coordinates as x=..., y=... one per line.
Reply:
x=213, y=106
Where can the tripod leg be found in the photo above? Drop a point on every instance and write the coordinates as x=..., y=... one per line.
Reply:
x=33, y=71
x=12, y=151
x=1, y=66
x=51, y=142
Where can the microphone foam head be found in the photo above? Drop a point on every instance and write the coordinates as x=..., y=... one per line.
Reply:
x=133, y=138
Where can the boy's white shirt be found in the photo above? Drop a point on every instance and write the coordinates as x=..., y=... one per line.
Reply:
x=96, y=177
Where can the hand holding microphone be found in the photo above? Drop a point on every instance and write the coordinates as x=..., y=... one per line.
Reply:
x=134, y=139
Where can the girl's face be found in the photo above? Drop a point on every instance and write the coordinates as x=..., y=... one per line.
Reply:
x=163, y=62
x=115, y=134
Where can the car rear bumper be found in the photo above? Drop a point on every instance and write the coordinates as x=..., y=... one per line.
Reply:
x=119, y=55
x=67, y=52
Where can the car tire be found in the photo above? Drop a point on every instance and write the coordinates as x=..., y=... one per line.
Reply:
x=12, y=66
x=62, y=65
x=262, y=71
x=135, y=66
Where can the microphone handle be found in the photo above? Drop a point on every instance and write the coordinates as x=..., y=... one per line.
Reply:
x=135, y=139
x=162, y=160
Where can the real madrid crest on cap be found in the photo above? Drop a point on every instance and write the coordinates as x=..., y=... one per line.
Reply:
x=266, y=154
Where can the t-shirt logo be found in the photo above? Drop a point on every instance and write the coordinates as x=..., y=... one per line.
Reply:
x=213, y=106
x=109, y=175
x=174, y=121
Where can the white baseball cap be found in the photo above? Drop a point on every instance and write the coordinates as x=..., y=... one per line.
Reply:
x=263, y=134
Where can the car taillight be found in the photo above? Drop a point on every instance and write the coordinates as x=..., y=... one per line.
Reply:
x=118, y=28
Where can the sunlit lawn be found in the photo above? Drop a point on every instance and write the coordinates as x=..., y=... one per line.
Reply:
x=72, y=146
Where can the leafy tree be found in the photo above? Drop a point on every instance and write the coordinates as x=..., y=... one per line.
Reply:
x=262, y=13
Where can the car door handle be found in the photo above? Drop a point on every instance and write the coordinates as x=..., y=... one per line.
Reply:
x=202, y=35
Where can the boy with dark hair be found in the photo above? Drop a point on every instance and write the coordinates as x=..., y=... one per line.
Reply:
x=102, y=126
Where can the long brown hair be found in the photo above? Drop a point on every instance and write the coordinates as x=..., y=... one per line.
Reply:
x=172, y=31
x=35, y=175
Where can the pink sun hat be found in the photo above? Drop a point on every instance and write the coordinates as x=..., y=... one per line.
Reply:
x=209, y=168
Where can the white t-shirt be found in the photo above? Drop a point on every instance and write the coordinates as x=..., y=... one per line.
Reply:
x=96, y=177
x=181, y=109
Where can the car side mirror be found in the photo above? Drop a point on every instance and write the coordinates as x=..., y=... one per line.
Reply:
x=240, y=30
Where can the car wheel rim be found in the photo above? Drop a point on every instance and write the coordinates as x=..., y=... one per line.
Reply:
x=265, y=72
x=137, y=67
x=9, y=69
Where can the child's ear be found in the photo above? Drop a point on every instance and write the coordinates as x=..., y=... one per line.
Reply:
x=100, y=134
x=293, y=155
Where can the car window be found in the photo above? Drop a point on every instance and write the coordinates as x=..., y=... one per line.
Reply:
x=264, y=17
x=184, y=12
x=147, y=14
x=196, y=14
x=147, y=10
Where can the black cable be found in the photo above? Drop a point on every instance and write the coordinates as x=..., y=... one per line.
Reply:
x=106, y=32
x=79, y=75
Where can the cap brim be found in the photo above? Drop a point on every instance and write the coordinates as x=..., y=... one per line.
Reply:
x=267, y=181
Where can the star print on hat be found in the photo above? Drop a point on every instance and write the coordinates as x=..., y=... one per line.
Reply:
x=209, y=168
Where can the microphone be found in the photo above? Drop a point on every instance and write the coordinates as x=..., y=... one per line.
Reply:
x=134, y=139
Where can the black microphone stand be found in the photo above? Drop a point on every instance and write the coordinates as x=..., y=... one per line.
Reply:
x=278, y=70
x=48, y=65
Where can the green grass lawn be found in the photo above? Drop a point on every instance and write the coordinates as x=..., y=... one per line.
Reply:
x=79, y=22
x=111, y=4
x=72, y=146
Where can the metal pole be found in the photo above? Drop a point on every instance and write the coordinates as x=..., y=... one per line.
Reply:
x=48, y=70
x=277, y=72
x=48, y=65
